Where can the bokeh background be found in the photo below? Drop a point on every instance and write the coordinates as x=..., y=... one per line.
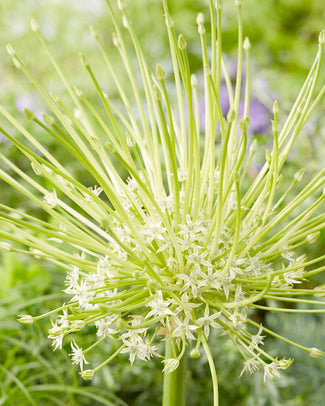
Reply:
x=283, y=34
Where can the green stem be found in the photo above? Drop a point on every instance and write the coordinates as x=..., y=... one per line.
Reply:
x=174, y=391
x=213, y=372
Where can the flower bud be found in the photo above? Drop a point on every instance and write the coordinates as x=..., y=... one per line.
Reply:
x=54, y=97
x=160, y=72
x=84, y=60
x=49, y=120
x=182, y=44
x=246, y=44
x=37, y=168
x=170, y=364
x=26, y=319
x=299, y=174
x=130, y=142
x=275, y=108
x=77, y=91
x=5, y=246
x=195, y=353
x=87, y=374
x=34, y=25
x=16, y=63
x=125, y=22
x=319, y=291
x=311, y=238
x=115, y=39
x=93, y=32
x=29, y=114
x=169, y=21
x=77, y=325
x=316, y=353
x=200, y=18
x=200, y=23
x=321, y=38
x=244, y=124
x=194, y=81
x=218, y=5
x=121, y=5
x=10, y=50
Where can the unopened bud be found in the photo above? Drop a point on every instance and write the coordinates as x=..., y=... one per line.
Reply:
x=319, y=291
x=34, y=25
x=195, y=353
x=194, y=81
x=200, y=18
x=84, y=60
x=182, y=44
x=87, y=374
x=311, y=238
x=10, y=50
x=130, y=142
x=169, y=21
x=36, y=168
x=218, y=5
x=54, y=97
x=77, y=91
x=49, y=120
x=125, y=22
x=160, y=73
x=93, y=32
x=170, y=364
x=16, y=63
x=29, y=114
x=246, y=44
x=77, y=324
x=321, y=38
x=26, y=319
x=121, y=5
x=244, y=124
x=5, y=246
x=110, y=147
x=316, y=353
x=275, y=107
x=115, y=39
x=200, y=23
x=299, y=174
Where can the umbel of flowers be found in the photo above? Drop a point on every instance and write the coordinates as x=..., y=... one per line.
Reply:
x=187, y=241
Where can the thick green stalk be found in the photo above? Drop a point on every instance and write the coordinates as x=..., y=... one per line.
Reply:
x=174, y=391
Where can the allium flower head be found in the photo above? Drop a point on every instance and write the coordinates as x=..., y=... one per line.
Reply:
x=173, y=238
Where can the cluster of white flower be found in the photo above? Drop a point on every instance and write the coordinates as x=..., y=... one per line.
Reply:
x=189, y=241
x=181, y=298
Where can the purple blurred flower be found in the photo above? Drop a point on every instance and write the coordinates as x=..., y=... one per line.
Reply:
x=259, y=115
x=25, y=101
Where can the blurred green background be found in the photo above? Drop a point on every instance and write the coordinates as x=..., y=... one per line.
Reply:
x=283, y=34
